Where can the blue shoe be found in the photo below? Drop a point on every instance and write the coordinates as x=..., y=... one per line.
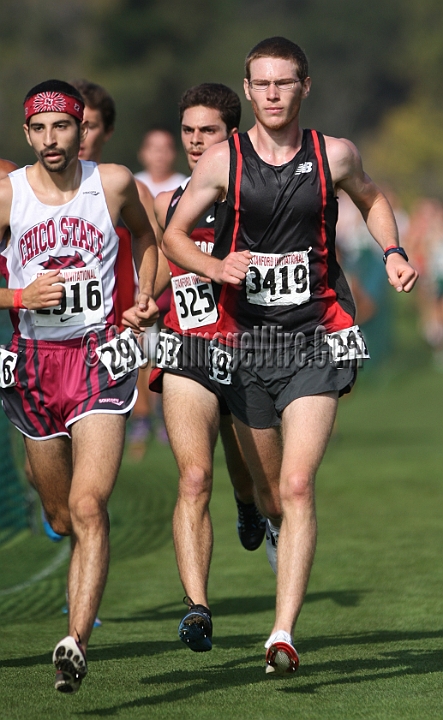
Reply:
x=195, y=628
x=251, y=525
x=50, y=533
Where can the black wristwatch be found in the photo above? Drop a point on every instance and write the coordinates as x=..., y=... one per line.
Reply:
x=394, y=249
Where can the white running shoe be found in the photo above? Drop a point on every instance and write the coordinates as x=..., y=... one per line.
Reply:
x=281, y=656
x=70, y=664
x=272, y=534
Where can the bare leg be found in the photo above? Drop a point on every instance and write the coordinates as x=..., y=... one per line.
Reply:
x=307, y=425
x=97, y=450
x=192, y=420
x=51, y=470
x=263, y=453
x=238, y=470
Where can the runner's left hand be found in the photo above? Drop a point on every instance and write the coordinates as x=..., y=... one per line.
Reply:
x=401, y=275
x=142, y=315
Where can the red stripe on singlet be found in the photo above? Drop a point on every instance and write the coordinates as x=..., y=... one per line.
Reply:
x=336, y=317
x=238, y=174
x=322, y=183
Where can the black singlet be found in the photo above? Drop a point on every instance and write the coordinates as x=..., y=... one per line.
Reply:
x=286, y=216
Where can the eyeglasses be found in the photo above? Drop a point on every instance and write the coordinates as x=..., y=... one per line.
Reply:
x=262, y=85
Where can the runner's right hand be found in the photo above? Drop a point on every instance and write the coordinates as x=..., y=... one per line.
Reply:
x=232, y=269
x=46, y=291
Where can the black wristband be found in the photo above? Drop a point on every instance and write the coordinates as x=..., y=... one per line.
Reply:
x=391, y=250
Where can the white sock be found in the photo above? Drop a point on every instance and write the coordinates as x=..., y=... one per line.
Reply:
x=279, y=636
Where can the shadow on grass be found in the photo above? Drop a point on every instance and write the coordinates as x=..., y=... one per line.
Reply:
x=377, y=662
x=195, y=681
x=240, y=606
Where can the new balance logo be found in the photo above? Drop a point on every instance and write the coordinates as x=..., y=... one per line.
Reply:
x=303, y=168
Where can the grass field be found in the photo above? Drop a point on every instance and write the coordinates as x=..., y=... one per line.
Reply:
x=370, y=635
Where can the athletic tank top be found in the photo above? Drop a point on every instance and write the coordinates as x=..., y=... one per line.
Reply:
x=125, y=274
x=193, y=309
x=285, y=216
x=77, y=238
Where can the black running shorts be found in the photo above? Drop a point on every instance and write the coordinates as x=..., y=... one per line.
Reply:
x=262, y=384
x=185, y=356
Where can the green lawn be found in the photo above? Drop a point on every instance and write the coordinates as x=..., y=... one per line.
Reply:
x=370, y=635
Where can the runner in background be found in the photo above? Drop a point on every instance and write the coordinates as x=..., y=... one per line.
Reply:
x=157, y=155
x=194, y=407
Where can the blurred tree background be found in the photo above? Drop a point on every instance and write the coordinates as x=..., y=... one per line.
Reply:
x=376, y=69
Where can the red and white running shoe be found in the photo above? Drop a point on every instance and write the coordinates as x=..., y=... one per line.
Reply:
x=281, y=655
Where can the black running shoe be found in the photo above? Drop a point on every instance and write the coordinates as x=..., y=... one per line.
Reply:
x=251, y=525
x=195, y=628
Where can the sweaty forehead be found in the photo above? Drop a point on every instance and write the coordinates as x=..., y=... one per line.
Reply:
x=271, y=67
x=200, y=116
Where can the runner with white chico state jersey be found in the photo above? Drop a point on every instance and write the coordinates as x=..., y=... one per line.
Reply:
x=69, y=404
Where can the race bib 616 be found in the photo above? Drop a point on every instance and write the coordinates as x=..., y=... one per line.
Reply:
x=82, y=302
x=8, y=361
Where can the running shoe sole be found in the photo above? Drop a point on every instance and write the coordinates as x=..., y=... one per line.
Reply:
x=195, y=630
x=282, y=659
x=70, y=664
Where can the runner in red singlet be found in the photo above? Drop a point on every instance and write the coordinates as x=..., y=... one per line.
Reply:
x=193, y=405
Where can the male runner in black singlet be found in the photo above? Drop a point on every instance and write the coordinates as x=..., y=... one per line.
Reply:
x=286, y=316
x=193, y=405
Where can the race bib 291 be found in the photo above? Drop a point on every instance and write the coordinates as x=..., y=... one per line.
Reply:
x=122, y=354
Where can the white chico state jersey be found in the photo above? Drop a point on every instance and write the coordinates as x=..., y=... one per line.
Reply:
x=78, y=239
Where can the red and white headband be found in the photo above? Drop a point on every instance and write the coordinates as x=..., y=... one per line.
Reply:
x=51, y=101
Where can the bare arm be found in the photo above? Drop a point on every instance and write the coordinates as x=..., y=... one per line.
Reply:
x=147, y=201
x=41, y=293
x=132, y=317
x=208, y=184
x=161, y=205
x=348, y=174
x=44, y=292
